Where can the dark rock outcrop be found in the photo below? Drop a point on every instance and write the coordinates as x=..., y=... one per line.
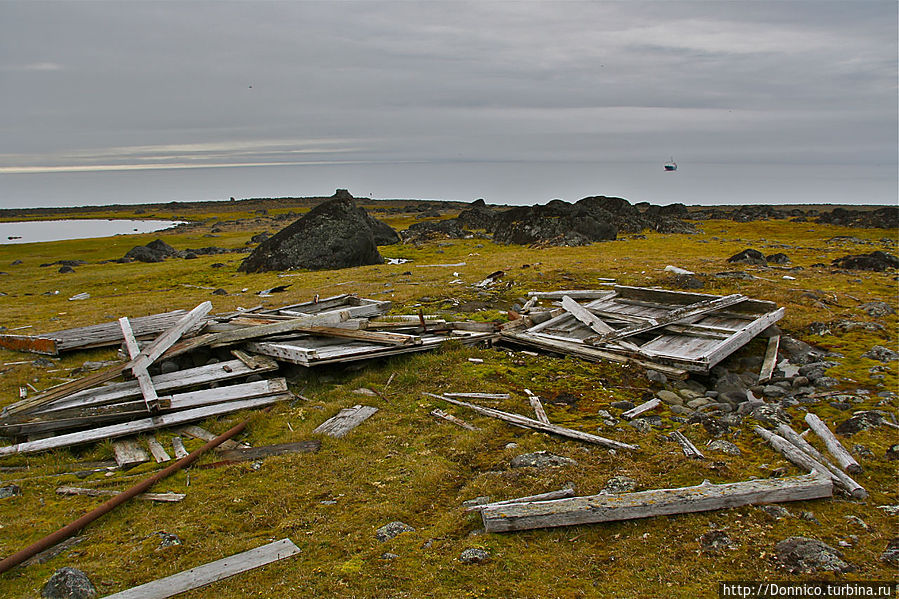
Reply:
x=335, y=234
x=882, y=218
x=800, y=554
x=876, y=261
x=155, y=251
x=69, y=583
x=749, y=256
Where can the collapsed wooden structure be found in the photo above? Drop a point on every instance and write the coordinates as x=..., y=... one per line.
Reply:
x=673, y=331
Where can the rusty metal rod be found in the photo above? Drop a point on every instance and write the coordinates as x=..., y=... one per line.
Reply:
x=66, y=531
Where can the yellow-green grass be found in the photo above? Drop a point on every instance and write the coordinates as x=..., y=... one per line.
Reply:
x=403, y=464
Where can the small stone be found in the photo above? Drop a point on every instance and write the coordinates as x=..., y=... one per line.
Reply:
x=725, y=447
x=715, y=541
x=389, y=556
x=168, y=367
x=881, y=354
x=690, y=394
x=698, y=402
x=890, y=555
x=773, y=391
x=43, y=363
x=168, y=540
x=476, y=501
x=670, y=397
x=69, y=583
x=511, y=446
x=860, y=421
x=541, y=459
x=808, y=517
x=65, y=270
x=619, y=484
x=641, y=424
x=775, y=511
x=219, y=291
x=800, y=554
x=217, y=265
x=10, y=491
x=840, y=405
x=623, y=405
x=474, y=556
x=391, y=530
x=770, y=414
x=654, y=376
x=877, y=309
x=861, y=450
x=892, y=453
x=799, y=381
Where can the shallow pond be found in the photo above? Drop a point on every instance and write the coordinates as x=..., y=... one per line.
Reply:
x=56, y=230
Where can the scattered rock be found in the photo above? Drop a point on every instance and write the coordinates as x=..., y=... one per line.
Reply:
x=654, y=376
x=808, y=517
x=725, y=447
x=775, y=511
x=623, y=405
x=890, y=555
x=541, y=459
x=474, y=556
x=69, y=583
x=803, y=555
x=389, y=556
x=65, y=270
x=778, y=258
x=167, y=540
x=749, y=256
x=335, y=234
x=391, y=530
x=770, y=414
x=892, y=453
x=860, y=421
x=619, y=484
x=877, y=309
x=881, y=354
x=8, y=491
x=875, y=261
x=641, y=424
x=715, y=541
x=219, y=291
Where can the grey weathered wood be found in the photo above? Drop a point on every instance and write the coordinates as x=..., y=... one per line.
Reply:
x=519, y=420
x=572, y=293
x=128, y=335
x=839, y=477
x=128, y=453
x=741, y=337
x=157, y=450
x=211, y=572
x=197, y=432
x=149, y=354
x=560, y=494
x=438, y=413
x=770, y=359
x=257, y=453
x=702, y=307
x=642, y=408
x=594, y=322
x=797, y=456
x=479, y=395
x=48, y=554
x=836, y=449
x=162, y=497
x=251, y=361
x=345, y=421
x=656, y=502
x=537, y=406
x=179, y=449
x=139, y=426
x=686, y=445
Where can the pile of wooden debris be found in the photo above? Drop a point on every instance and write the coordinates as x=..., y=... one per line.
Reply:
x=93, y=408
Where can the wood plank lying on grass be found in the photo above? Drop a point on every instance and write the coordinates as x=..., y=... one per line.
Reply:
x=139, y=426
x=686, y=445
x=642, y=408
x=128, y=453
x=479, y=395
x=839, y=477
x=560, y=494
x=198, y=432
x=834, y=447
x=257, y=453
x=799, y=457
x=162, y=497
x=438, y=413
x=537, y=406
x=151, y=399
x=178, y=448
x=657, y=502
x=524, y=421
x=211, y=572
x=345, y=421
x=157, y=450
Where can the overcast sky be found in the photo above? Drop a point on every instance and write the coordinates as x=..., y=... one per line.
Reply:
x=446, y=99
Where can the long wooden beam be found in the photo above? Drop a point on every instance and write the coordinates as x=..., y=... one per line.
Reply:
x=657, y=502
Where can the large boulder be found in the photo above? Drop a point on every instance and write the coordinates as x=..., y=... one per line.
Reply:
x=155, y=251
x=556, y=223
x=335, y=234
x=876, y=261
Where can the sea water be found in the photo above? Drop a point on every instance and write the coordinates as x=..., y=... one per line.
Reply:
x=56, y=230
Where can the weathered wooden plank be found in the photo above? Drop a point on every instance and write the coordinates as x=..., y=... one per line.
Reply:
x=686, y=445
x=149, y=354
x=178, y=448
x=162, y=497
x=836, y=449
x=537, y=425
x=157, y=450
x=560, y=494
x=537, y=406
x=642, y=408
x=251, y=361
x=128, y=453
x=345, y=421
x=211, y=572
x=438, y=413
x=479, y=395
x=97, y=335
x=839, y=477
x=139, y=426
x=151, y=399
x=796, y=454
x=573, y=294
x=63, y=390
x=770, y=359
x=197, y=432
x=741, y=337
x=591, y=320
x=673, y=316
x=128, y=336
x=657, y=502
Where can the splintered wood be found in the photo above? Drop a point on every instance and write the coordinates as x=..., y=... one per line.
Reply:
x=345, y=421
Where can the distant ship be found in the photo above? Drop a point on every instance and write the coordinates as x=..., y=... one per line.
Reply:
x=671, y=165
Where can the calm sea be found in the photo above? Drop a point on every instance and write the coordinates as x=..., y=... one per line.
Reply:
x=56, y=230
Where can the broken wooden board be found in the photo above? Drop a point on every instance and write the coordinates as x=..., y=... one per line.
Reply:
x=686, y=445
x=211, y=572
x=178, y=448
x=157, y=450
x=526, y=422
x=139, y=426
x=642, y=408
x=770, y=359
x=128, y=453
x=657, y=502
x=197, y=432
x=345, y=421
x=98, y=335
x=161, y=497
x=537, y=406
x=834, y=447
x=257, y=453
x=560, y=494
x=438, y=413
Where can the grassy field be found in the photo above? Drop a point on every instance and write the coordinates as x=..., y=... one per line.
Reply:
x=403, y=464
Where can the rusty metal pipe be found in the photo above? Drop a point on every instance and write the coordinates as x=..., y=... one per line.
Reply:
x=70, y=529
